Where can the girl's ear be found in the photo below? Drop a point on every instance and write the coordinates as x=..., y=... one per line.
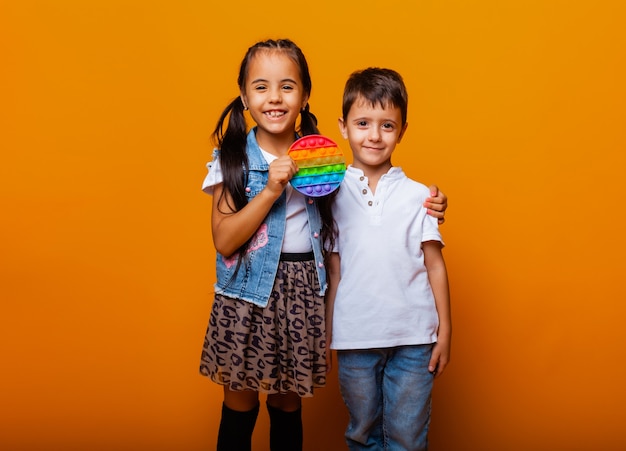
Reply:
x=402, y=133
x=342, y=128
x=242, y=96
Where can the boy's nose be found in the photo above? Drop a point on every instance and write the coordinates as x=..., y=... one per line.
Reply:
x=374, y=134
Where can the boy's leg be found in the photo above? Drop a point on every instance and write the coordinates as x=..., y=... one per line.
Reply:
x=360, y=381
x=407, y=387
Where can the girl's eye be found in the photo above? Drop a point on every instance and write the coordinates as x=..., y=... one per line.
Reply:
x=287, y=87
x=260, y=87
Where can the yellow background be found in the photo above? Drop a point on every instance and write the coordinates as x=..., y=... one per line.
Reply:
x=106, y=259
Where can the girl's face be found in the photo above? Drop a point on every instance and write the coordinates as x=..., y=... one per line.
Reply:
x=274, y=94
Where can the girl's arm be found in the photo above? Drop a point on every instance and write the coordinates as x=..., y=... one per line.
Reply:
x=437, y=204
x=333, y=273
x=438, y=278
x=231, y=229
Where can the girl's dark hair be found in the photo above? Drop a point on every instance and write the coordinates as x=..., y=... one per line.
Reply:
x=232, y=142
x=377, y=86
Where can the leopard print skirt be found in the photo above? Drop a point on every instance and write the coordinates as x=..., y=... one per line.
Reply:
x=277, y=349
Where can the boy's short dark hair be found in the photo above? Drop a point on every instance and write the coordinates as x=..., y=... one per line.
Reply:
x=378, y=86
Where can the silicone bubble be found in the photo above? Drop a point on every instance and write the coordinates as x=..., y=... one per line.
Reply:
x=321, y=165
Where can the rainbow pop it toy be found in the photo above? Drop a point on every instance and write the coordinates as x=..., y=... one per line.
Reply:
x=321, y=165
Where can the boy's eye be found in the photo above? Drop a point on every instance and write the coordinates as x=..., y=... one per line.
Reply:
x=388, y=126
x=361, y=123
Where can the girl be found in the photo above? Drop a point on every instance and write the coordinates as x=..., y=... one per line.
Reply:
x=266, y=332
x=267, y=327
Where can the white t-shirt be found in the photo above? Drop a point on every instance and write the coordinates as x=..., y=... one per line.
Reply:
x=384, y=298
x=296, y=238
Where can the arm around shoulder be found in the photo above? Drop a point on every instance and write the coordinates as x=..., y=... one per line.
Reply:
x=436, y=204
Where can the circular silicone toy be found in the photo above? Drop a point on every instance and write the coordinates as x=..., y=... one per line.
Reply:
x=321, y=165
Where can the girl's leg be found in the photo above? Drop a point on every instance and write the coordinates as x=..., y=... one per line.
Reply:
x=239, y=413
x=285, y=422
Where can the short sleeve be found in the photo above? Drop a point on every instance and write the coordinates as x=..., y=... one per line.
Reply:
x=431, y=230
x=214, y=175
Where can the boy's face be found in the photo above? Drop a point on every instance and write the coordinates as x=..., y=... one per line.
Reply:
x=373, y=132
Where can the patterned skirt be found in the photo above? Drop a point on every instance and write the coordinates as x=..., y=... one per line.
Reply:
x=277, y=349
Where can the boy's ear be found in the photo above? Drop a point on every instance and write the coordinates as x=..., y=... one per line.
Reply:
x=402, y=133
x=342, y=128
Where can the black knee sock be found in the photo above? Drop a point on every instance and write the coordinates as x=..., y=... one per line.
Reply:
x=285, y=429
x=236, y=428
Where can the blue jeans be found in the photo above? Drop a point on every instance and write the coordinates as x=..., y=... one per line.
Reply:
x=388, y=395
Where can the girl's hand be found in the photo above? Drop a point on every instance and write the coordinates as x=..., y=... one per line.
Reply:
x=437, y=204
x=281, y=171
x=329, y=359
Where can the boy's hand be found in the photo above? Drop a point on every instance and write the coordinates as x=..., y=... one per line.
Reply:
x=436, y=204
x=439, y=359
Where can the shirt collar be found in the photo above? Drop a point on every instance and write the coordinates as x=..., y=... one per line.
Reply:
x=394, y=172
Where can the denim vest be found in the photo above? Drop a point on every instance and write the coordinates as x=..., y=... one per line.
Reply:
x=255, y=277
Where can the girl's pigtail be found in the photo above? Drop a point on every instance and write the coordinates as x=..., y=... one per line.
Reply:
x=308, y=122
x=234, y=162
x=232, y=145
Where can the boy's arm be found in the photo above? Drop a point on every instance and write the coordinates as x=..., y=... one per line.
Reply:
x=438, y=278
x=333, y=274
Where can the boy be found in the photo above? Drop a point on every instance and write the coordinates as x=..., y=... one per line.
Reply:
x=388, y=299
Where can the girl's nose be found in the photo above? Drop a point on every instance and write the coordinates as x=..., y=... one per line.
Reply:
x=275, y=95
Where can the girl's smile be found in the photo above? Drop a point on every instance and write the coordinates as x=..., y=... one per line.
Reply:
x=275, y=114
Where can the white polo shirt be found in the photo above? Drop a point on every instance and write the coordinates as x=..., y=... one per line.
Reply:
x=384, y=298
